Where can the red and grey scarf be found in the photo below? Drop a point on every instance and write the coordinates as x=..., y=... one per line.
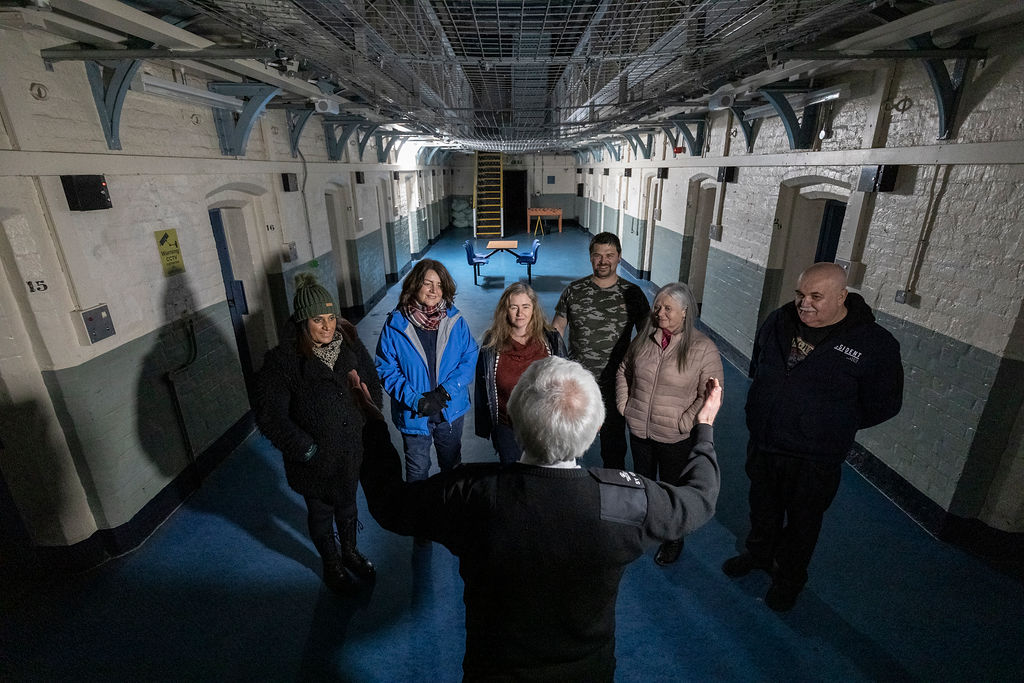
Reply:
x=425, y=317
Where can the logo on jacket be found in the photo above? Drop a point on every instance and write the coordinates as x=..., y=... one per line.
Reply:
x=631, y=478
x=851, y=355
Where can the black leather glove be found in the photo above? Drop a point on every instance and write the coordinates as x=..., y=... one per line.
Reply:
x=430, y=404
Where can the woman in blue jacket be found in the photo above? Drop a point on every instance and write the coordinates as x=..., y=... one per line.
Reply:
x=425, y=358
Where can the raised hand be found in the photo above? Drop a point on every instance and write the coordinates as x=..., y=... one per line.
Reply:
x=712, y=402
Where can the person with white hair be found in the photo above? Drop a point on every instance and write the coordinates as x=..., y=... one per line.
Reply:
x=543, y=543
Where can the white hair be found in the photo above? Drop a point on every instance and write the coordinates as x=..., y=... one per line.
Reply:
x=556, y=411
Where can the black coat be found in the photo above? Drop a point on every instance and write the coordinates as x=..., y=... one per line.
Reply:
x=301, y=402
x=852, y=380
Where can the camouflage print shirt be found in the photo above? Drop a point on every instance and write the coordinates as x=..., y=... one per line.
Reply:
x=601, y=323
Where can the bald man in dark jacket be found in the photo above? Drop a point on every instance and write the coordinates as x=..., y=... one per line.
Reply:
x=822, y=369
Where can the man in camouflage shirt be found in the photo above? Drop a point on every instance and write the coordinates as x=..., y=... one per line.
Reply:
x=601, y=311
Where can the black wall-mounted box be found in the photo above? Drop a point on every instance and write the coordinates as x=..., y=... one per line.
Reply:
x=628, y=172
x=663, y=172
x=605, y=171
x=86, y=192
x=360, y=177
x=394, y=175
x=878, y=178
x=590, y=171
x=727, y=174
x=290, y=181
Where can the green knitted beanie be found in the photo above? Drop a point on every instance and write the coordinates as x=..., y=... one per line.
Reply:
x=311, y=299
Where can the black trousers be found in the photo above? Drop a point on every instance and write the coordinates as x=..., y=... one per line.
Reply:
x=660, y=461
x=322, y=517
x=613, y=432
x=788, y=499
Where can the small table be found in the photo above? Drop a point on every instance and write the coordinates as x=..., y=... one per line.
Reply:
x=538, y=213
x=502, y=245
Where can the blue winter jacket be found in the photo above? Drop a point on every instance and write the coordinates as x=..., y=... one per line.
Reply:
x=402, y=366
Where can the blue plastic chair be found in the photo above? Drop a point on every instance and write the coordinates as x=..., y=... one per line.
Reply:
x=529, y=259
x=474, y=258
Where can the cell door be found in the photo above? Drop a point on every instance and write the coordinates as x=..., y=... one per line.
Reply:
x=234, y=290
x=831, y=229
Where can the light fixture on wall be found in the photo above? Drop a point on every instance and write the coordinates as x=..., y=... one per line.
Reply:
x=151, y=85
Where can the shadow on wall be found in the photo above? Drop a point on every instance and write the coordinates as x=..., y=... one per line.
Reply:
x=185, y=378
x=190, y=389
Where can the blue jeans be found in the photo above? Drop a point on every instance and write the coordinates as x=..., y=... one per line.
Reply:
x=447, y=440
x=504, y=440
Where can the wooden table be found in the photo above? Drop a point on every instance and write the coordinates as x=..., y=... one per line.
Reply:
x=539, y=212
x=502, y=245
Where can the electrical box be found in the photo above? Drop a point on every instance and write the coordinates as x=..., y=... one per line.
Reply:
x=605, y=171
x=628, y=172
x=98, y=324
x=878, y=178
x=360, y=177
x=663, y=172
x=86, y=192
x=727, y=174
x=290, y=181
x=291, y=252
x=394, y=175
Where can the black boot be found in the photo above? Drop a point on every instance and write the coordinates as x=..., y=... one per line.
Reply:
x=335, y=576
x=669, y=552
x=350, y=555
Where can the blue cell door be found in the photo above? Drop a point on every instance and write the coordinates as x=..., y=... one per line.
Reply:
x=831, y=229
x=234, y=290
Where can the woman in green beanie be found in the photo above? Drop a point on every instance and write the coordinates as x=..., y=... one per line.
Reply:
x=306, y=410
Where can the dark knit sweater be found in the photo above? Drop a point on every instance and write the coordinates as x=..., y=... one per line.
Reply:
x=541, y=550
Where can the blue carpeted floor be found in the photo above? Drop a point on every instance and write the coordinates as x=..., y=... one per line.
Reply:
x=228, y=590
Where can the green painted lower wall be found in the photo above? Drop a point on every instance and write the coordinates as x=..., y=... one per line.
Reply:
x=670, y=247
x=119, y=412
x=732, y=294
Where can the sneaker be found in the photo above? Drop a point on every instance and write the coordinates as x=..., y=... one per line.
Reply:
x=781, y=598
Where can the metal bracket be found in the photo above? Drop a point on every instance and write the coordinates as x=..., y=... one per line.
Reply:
x=948, y=87
x=800, y=131
x=233, y=129
x=749, y=128
x=383, y=150
x=670, y=133
x=297, y=120
x=694, y=143
x=109, y=86
x=613, y=151
x=636, y=143
x=335, y=144
x=366, y=138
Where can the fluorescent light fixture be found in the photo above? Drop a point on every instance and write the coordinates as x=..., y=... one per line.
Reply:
x=799, y=101
x=151, y=85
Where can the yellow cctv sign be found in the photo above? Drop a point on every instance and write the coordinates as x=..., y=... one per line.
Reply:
x=170, y=252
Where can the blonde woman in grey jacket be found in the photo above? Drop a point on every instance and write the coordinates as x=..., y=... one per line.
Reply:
x=658, y=389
